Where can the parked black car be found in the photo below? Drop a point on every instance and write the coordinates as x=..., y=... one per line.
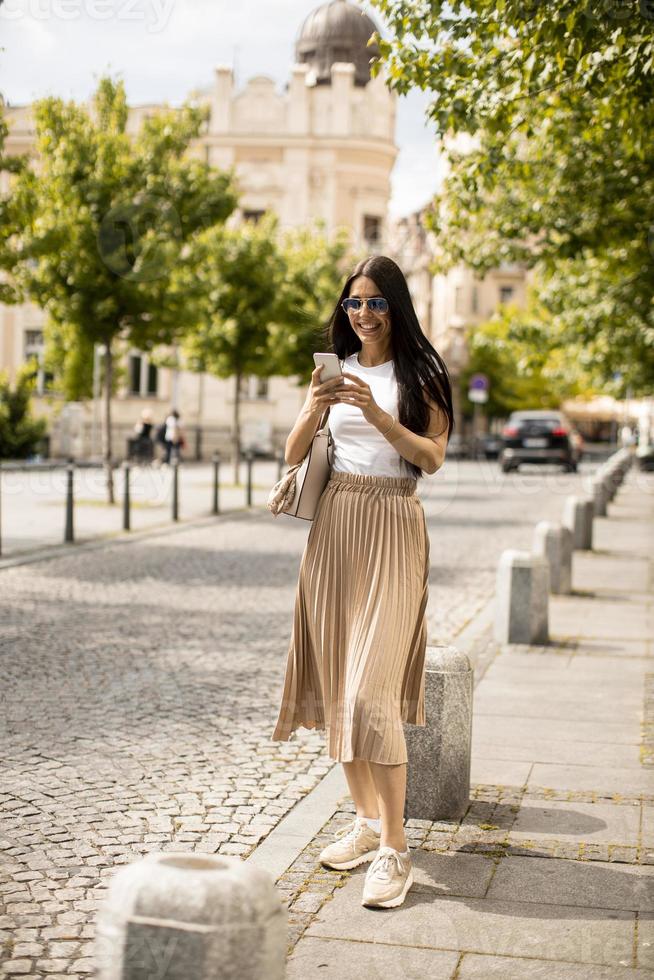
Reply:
x=544, y=436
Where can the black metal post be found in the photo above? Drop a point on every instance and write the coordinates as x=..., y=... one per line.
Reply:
x=69, y=535
x=175, y=489
x=126, y=500
x=250, y=458
x=216, y=464
x=198, y=443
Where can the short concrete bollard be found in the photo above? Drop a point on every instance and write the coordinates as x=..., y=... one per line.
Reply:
x=553, y=542
x=183, y=916
x=600, y=497
x=521, y=598
x=578, y=515
x=438, y=773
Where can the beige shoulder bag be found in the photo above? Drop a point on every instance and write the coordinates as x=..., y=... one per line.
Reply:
x=299, y=490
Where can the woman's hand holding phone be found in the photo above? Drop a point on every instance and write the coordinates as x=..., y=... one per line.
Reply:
x=324, y=393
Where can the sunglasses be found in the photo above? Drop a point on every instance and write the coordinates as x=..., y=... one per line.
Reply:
x=376, y=305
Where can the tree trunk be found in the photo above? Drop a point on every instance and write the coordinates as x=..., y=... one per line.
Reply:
x=106, y=425
x=236, y=428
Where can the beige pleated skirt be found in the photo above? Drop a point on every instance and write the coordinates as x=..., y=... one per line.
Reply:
x=356, y=661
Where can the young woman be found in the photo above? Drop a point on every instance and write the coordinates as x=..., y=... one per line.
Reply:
x=355, y=665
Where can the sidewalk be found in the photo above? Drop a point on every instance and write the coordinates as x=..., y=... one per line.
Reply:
x=551, y=872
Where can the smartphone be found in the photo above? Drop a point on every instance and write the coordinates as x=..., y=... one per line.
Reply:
x=332, y=368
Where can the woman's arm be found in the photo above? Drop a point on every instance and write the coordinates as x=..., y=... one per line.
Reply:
x=428, y=451
x=319, y=396
x=300, y=436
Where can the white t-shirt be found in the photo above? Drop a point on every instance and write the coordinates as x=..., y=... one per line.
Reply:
x=358, y=446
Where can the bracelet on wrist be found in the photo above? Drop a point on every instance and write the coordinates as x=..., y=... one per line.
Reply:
x=390, y=426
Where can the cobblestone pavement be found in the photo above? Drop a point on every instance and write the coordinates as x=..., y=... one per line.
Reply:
x=141, y=684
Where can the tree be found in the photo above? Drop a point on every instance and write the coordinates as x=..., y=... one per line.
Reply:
x=260, y=299
x=528, y=363
x=558, y=98
x=316, y=265
x=19, y=432
x=235, y=278
x=9, y=225
x=107, y=221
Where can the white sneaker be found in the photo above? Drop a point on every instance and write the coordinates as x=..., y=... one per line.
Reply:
x=388, y=879
x=355, y=843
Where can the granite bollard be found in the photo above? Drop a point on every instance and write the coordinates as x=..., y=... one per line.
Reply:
x=600, y=496
x=554, y=543
x=521, y=598
x=578, y=515
x=199, y=916
x=438, y=770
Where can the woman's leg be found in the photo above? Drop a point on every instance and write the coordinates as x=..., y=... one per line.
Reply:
x=362, y=788
x=390, y=783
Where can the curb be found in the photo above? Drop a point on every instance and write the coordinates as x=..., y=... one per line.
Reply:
x=123, y=537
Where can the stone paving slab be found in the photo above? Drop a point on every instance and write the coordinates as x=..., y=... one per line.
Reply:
x=592, y=823
x=501, y=928
x=604, y=781
x=598, y=572
x=333, y=959
x=559, y=752
x=517, y=728
x=477, y=967
x=596, y=885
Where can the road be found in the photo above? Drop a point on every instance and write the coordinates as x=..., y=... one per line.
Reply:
x=141, y=682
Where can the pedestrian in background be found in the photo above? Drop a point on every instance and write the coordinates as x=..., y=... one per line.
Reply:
x=356, y=661
x=144, y=448
x=173, y=439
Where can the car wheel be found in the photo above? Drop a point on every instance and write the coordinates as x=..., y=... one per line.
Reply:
x=570, y=467
x=507, y=467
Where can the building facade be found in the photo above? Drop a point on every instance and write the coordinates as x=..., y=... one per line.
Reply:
x=323, y=148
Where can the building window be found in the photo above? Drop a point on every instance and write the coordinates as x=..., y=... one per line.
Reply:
x=34, y=350
x=372, y=226
x=253, y=214
x=152, y=379
x=475, y=299
x=253, y=387
x=458, y=300
x=506, y=294
x=142, y=376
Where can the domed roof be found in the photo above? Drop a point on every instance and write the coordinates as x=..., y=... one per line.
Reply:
x=337, y=31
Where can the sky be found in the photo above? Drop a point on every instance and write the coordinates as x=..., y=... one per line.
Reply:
x=163, y=49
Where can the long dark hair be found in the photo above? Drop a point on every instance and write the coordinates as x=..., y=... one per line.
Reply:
x=417, y=364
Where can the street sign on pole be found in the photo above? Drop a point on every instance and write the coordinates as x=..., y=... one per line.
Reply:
x=478, y=395
x=478, y=388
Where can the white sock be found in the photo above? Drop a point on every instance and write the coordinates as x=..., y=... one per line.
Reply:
x=404, y=853
x=375, y=824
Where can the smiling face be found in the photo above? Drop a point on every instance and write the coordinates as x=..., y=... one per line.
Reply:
x=372, y=329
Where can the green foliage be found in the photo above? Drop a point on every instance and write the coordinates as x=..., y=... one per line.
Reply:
x=315, y=268
x=19, y=432
x=234, y=277
x=528, y=363
x=559, y=100
x=107, y=223
x=261, y=298
x=9, y=220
